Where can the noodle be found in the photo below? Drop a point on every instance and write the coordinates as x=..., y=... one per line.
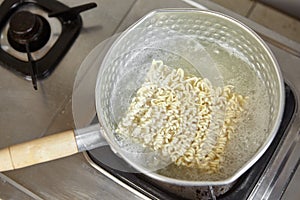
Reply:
x=183, y=117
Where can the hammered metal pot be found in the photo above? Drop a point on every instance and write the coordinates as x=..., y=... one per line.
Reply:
x=183, y=27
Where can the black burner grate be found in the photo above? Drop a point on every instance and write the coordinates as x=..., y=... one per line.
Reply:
x=70, y=22
x=46, y=64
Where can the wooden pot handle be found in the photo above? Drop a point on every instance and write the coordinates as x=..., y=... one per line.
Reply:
x=38, y=151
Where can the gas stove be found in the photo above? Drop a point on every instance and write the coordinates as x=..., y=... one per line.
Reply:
x=28, y=114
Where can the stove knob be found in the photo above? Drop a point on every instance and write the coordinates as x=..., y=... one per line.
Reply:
x=24, y=27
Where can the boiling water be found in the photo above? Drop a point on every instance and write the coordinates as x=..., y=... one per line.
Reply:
x=253, y=128
x=251, y=131
x=138, y=63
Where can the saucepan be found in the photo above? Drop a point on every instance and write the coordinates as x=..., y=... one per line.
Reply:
x=208, y=44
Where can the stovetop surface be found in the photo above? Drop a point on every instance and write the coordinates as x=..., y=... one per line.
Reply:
x=27, y=114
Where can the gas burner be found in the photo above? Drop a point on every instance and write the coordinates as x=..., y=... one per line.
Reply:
x=35, y=35
x=26, y=27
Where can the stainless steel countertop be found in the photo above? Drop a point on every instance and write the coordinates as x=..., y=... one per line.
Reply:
x=27, y=114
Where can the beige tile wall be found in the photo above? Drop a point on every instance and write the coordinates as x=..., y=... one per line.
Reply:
x=266, y=16
x=241, y=7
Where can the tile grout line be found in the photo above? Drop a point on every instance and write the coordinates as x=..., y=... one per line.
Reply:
x=19, y=187
x=126, y=14
x=249, y=12
x=62, y=107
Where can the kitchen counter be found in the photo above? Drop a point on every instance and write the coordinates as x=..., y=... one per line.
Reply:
x=27, y=114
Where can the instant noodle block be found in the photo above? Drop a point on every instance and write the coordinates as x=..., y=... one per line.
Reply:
x=183, y=117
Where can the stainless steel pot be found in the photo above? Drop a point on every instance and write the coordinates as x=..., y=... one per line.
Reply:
x=211, y=45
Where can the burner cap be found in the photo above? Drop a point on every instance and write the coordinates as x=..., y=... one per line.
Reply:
x=24, y=26
x=28, y=28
